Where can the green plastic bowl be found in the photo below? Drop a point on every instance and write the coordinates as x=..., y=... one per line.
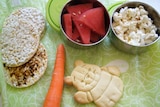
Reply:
x=53, y=11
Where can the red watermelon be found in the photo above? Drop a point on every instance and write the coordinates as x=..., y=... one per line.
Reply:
x=67, y=22
x=95, y=37
x=94, y=19
x=84, y=31
x=75, y=34
x=77, y=10
x=84, y=23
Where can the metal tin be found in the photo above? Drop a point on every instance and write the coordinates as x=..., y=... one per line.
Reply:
x=96, y=4
x=121, y=45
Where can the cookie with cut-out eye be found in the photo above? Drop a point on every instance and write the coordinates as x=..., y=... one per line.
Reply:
x=102, y=86
x=84, y=76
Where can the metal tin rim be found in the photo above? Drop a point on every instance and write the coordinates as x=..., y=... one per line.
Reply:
x=80, y=44
x=122, y=5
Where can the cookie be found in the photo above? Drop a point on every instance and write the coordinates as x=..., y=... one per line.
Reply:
x=84, y=76
x=102, y=86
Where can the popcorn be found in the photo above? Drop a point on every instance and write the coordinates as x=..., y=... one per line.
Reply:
x=133, y=26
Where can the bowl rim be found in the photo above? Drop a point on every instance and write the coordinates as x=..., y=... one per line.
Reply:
x=78, y=43
x=49, y=7
x=123, y=5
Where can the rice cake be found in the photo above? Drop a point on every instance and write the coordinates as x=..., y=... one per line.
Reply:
x=28, y=19
x=28, y=73
x=21, y=36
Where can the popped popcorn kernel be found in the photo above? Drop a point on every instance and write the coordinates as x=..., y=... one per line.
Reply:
x=134, y=26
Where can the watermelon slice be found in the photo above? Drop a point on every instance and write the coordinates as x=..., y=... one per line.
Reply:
x=94, y=19
x=95, y=37
x=67, y=22
x=75, y=34
x=77, y=10
x=84, y=31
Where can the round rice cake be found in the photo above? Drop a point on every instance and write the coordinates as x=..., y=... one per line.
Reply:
x=28, y=19
x=29, y=73
x=21, y=36
x=18, y=50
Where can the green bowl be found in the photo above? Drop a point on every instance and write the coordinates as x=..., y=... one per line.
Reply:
x=53, y=11
x=54, y=8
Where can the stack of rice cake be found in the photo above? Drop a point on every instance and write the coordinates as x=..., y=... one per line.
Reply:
x=23, y=56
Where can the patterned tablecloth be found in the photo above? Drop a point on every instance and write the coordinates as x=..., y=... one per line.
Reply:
x=141, y=80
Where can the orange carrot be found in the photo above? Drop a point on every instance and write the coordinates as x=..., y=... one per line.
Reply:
x=54, y=95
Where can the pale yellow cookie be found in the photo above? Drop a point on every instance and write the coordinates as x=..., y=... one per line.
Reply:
x=121, y=64
x=112, y=69
x=83, y=97
x=84, y=76
x=102, y=86
x=112, y=93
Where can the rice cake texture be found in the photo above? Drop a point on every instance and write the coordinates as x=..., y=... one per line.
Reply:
x=28, y=73
x=28, y=19
x=21, y=36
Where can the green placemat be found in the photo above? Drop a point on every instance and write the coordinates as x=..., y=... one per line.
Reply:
x=141, y=81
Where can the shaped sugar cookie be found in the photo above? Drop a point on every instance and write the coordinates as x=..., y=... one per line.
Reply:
x=84, y=76
x=94, y=84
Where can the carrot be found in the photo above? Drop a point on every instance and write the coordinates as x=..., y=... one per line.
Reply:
x=54, y=95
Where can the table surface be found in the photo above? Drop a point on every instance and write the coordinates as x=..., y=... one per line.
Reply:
x=154, y=3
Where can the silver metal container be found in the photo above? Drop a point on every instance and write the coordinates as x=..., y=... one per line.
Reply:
x=126, y=47
x=95, y=4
